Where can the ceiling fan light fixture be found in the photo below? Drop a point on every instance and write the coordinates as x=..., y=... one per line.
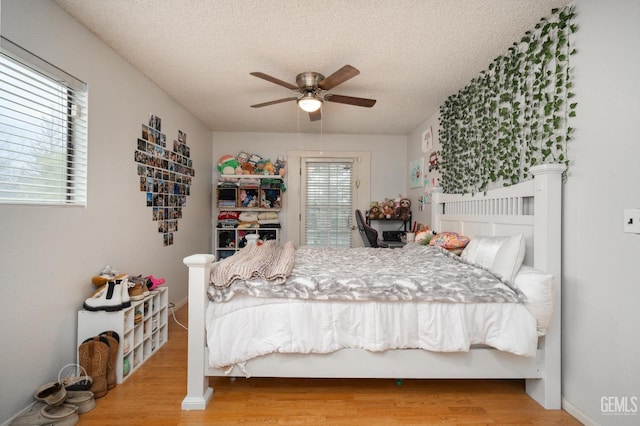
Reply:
x=309, y=102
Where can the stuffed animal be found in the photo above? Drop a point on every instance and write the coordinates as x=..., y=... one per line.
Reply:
x=375, y=213
x=388, y=208
x=269, y=168
x=247, y=168
x=227, y=165
x=280, y=166
x=243, y=157
x=404, y=209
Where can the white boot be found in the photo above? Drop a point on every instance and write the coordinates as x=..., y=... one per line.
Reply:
x=107, y=298
x=123, y=280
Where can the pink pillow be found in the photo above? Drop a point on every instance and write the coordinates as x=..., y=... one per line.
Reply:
x=449, y=240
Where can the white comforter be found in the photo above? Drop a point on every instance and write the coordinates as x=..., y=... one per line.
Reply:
x=247, y=327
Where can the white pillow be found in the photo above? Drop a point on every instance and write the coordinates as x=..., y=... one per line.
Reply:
x=501, y=255
x=539, y=287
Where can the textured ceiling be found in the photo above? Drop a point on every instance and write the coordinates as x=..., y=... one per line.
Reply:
x=411, y=54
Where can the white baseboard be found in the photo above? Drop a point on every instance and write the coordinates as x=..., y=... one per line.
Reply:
x=578, y=414
x=181, y=303
x=22, y=412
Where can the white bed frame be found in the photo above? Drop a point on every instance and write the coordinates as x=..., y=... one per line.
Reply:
x=532, y=207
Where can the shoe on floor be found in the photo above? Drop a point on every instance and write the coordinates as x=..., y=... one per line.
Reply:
x=40, y=415
x=114, y=342
x=84, y=400
x=74, y=378
x=53, y=393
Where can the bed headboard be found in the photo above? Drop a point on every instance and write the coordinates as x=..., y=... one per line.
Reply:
x=532, y=207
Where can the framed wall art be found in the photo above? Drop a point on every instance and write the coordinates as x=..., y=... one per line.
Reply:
x=416, y=170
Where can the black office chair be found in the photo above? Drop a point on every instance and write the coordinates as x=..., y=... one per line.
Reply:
x=369, y=235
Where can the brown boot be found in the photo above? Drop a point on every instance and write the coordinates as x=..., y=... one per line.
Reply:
x=93, y=356
x=114, y=341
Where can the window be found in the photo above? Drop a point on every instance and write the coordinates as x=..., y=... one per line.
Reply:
x=43, y=131
x=328, y=206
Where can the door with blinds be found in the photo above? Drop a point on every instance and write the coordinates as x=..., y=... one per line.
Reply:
x=330, y=186
x=327, y=202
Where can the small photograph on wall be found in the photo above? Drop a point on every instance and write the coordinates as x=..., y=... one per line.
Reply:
x=415, y=173
x=155, y=122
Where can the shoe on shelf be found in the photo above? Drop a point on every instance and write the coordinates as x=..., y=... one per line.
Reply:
x=155, y=282
x=145, y=283
x=106, y=298
x=53, y=393
x=123, y=281
x=60, y=415
x=104, y=276
x=137, y=289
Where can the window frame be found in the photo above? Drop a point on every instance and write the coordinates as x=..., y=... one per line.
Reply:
x=64, y=109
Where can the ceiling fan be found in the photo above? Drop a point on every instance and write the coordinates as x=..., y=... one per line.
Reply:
x=311, y=85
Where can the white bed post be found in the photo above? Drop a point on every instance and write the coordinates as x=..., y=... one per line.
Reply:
x=436, y=208
x=198, y=391
x=547, y=256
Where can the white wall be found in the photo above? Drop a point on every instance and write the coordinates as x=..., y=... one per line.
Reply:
x=389, y=169
x=601, y=271
x=49, y=254
x=414, y=152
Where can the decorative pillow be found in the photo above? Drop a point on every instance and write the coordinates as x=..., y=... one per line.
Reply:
x=449, y=240
x=501, y=255
x=539, y=287
x=424, y=237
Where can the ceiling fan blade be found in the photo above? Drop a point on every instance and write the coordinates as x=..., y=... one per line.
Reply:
x=315, y=115
x=350, y=100
x=264, y=104
x=343, y=74
x=274, y=80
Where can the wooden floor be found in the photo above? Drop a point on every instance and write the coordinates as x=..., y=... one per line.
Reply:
x=153, y=394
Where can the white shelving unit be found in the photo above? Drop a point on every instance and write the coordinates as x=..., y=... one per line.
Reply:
x=269, y=198
x=139, y=339
x=225, y=236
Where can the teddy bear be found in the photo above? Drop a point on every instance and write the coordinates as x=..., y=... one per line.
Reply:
x=247, y=168
x=388, y=209
x=374, y=212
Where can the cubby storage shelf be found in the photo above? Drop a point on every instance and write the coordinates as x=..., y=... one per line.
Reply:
x=143, y=328
x=226, y=239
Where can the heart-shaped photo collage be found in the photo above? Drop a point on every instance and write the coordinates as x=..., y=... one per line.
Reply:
x=165, y=175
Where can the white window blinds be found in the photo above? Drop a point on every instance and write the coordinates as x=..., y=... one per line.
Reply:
x=328, y=204
x=43, y=131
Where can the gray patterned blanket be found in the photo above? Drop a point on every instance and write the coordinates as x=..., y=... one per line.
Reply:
x=413, y=273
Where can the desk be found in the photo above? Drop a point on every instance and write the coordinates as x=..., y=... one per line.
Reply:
x=391, y=244
x=406, y=224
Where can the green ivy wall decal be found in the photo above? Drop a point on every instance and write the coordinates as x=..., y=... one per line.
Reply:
x=514, y=115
